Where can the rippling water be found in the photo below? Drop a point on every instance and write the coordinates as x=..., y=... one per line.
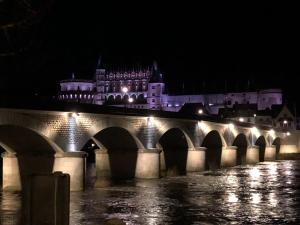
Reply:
x=267, y=193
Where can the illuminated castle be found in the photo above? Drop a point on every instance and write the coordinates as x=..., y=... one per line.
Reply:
x=145, y=89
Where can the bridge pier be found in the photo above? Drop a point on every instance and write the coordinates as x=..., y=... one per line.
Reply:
x=196, y=159
x=288, y=149
x=162, y=162
x=270, y=153
x=103, y=170
x=11, y=179
x=252, y=155
x=148, y=163
x=228, y=157
x=147, y=166
x=74, y=164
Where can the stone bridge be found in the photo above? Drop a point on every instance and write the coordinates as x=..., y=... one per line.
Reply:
x=129, y=143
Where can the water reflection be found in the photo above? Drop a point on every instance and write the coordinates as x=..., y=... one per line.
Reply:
x=267, y=193
x=232, y=197
x=10, y=208
x=273, y=199
x=255, y=198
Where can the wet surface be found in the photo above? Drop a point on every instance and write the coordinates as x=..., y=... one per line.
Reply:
x=266, y=193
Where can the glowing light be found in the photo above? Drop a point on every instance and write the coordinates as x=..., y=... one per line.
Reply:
x=150, y=120
x=272, y=133
x=204, y=126
x=200, y=111
x=231, y=126
x=254, y=115
x=273, y=199
x=232, y=198
x=254, y=173
x=241, y=119
x=288, y=133
x=210, y=104
x=93, y=145
x=272, y=169
x=74, y=114
x=255, y=131
x=285, y=122
x=124, y=89
x=255, y=198
x=72, y=132
x=130, y=100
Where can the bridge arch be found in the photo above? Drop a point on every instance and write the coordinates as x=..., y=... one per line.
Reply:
x=175, y=144
x=28, y=152
x=118, y=99
x=214, y=143
x=242, y=144
x=261, y=143
x=122, y=149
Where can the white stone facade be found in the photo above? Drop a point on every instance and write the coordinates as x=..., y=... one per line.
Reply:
x=150, y=94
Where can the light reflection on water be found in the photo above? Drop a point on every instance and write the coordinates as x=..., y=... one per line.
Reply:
x=267, y=193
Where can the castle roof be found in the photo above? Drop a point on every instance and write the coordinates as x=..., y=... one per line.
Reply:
x=156, y=75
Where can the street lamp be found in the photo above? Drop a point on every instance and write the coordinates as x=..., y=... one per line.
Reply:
x=200, y=111
x=130, y=100
x=124, y=90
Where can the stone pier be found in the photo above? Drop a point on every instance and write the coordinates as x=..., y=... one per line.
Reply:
x=11, y=173
x=228, y=157
x=289, y=149
x=148, y=163
x=74, y=164
x=195, y=159
x=270, y=153
x=252, y=155
x=103, y=171
x=162, y=162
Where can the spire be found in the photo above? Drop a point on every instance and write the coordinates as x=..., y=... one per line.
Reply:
x=155, y=67
x=99, y=62
x=156, y=75
x=73, y=76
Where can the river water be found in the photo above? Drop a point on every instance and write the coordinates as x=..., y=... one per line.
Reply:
x=266, y=193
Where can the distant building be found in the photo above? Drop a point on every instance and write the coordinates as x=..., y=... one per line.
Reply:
x=77, y=90
x=144, y=88
x=278, y=116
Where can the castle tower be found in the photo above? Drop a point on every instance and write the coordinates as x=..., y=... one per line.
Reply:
x=100, y=83
x=156, y=88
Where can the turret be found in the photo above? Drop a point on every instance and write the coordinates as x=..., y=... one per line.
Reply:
x=100, y=83
x=156, y=88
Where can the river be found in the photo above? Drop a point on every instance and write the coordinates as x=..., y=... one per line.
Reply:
x=266, y=193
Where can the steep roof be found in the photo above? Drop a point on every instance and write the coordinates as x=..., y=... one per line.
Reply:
x=156, y=75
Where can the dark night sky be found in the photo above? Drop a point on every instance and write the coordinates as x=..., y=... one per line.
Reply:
x=203, y=46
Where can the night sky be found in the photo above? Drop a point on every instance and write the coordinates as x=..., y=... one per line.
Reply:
x=199, y=48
